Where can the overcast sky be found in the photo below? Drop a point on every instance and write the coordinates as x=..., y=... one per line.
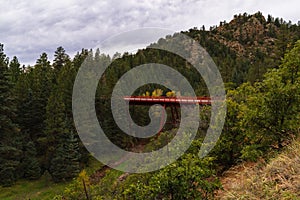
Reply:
x=28, y=28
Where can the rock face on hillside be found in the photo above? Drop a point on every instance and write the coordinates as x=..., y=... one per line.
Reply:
x=244, y=34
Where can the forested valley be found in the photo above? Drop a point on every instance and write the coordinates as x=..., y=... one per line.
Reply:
x=259, y=60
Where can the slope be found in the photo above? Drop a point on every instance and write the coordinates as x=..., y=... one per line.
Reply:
x=278, y=179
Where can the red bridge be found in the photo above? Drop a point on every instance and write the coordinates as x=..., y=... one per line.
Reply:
x=172, y=102
x=143, y=100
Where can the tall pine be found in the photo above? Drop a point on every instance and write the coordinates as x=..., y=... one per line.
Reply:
x=9, y=144
x=63, y=148
x=14, y=70
x=65, y=161
x=30, y=163
x=60, y=59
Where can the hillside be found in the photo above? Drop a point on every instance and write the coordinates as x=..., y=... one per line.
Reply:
x=277, y=179
x=248, y=45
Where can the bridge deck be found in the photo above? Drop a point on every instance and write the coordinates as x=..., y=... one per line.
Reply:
x=142, y=100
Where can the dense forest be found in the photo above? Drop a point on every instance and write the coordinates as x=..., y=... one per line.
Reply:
x=258, y=58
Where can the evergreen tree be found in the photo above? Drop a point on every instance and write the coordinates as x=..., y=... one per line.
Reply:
x=32, y=91
x=56, y=125
x=60, y=59
x=65, y=82
x=27, y=113
x=79, y=58
x=63, y=148
x=14, y=69
x=30, y=163
x=65, y=162
x=270, y=19
x=9, y=146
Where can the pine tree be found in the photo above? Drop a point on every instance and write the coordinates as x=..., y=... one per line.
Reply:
x=41, y=83
x=9, y=152
x=63, y=149
x=26, y=111
x=30, y=163
x=65, y=82
x=79, y=58
x=14, y=69
x=65, y=162
x=60, y=59
x=56, y=125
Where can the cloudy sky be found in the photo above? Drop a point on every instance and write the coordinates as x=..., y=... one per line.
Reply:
x=28, y=28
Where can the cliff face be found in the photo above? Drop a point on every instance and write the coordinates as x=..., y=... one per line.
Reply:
x=242, y=35
x=248, y=33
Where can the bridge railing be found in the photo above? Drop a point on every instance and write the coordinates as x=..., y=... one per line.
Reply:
x=168, y=100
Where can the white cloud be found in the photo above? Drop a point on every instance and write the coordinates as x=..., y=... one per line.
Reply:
x=29, y=28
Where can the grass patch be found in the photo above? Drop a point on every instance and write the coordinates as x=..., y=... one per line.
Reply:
x=279, y=179
x=43, y=188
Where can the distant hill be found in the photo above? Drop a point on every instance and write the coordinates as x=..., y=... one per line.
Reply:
x=247, y=46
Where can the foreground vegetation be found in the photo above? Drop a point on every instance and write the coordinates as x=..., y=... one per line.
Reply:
x=277, y=179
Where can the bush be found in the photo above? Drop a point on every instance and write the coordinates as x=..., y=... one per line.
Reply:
x=188, y=178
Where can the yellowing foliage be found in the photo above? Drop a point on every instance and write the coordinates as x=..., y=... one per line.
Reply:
x=171, y=94
x=157, y=93
x=146, y=94
x=84, y=177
